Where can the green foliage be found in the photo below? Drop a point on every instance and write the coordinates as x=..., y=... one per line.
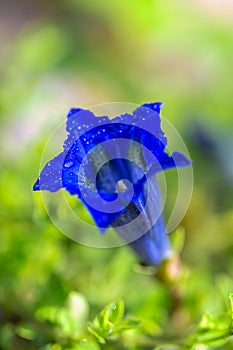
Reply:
x=213, y=331
x=81, y=53
x=70, y=319
x=110, y=322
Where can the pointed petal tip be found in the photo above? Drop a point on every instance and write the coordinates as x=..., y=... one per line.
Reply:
x=155, y=106
x=36, y=186
x=181, y=160
x=102, y=230
x=72, y=111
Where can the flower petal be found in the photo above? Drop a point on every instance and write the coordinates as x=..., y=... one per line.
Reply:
x=102, y=218
x=154, y=245
x=180, y=160
x=176, y=160
x=50, y=178
x=156, y=106
x=78, y=122
x=147, y=117
x=141, y=225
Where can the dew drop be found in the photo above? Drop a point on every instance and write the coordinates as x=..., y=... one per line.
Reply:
x=68, y=164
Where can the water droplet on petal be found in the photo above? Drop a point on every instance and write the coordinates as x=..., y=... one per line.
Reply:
x=68, y=164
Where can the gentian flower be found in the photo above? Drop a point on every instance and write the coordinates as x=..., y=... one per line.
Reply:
x=111, y=166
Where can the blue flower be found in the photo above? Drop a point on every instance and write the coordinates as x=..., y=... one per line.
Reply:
x=111, y=165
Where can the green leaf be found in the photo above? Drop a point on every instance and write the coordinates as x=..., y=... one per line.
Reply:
x=206, y=323
x=111, y=314
x=231, y=302
x=200, y=347
x=110, y=322
x=87, y=345
x=178, y=239
x=47, y=313
x=78, y=309
x=100, y=339
x=6, y=335
x=71, y=318
x=26, y=332
x=212, y=330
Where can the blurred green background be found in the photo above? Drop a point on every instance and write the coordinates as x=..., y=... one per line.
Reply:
x=61, y=54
